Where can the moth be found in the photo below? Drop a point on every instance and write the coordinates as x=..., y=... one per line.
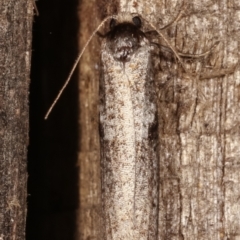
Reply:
x=128, y=132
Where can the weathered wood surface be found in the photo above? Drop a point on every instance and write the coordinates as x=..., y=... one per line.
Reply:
x=15, y=59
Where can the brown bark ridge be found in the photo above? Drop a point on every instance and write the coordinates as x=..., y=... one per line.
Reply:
x=198, y=112
x=15, y=56
x=89, y=217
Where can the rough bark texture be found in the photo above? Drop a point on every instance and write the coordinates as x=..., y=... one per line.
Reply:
x=15, y=56
x=89, y=217
x=199, y=119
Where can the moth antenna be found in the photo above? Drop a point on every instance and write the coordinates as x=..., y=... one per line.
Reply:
x=74, y=66
x=165, y=39
x=201, y=54
x=169, y=45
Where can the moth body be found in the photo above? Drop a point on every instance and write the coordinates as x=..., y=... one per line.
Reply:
x=128, y=132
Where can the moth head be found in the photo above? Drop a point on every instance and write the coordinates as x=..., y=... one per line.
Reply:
x=125, y=37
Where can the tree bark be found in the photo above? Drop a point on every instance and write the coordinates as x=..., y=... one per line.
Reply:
x=89, y=217
x=198, y=110
x=15, y=49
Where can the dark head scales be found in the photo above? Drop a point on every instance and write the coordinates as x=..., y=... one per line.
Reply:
x=125, y=38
